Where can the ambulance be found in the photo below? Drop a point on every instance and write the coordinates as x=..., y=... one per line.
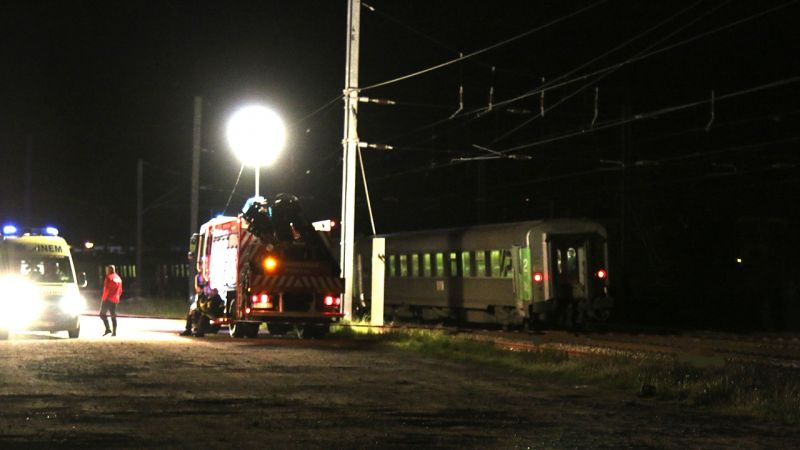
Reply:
x=40, y=291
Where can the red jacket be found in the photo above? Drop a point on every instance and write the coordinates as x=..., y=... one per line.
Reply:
x=112, y=288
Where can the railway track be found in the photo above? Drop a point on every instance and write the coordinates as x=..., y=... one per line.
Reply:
x=697, y=347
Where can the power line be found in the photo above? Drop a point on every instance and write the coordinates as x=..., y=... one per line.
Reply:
x=652, y=114
x=484, y=50
x=647, y=115
x=606, y=74
x=428, y=37
x=478, y=112
x=318, y=110
x=637, y=58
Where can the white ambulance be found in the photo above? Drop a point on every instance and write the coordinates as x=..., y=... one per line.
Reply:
x=38, y=287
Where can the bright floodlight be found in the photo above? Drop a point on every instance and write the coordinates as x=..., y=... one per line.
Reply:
x=256, y=135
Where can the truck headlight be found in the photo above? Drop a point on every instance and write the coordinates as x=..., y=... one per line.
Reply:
x=21, y=302
x=72, y=304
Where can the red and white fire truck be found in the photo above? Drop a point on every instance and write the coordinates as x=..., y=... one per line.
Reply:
x=270, y=266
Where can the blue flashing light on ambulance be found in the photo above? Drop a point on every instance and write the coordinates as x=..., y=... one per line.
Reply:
x=38, y=283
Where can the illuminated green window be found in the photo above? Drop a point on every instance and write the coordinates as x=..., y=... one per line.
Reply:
x=505, y=264
x=454, y=265
x=480, y=263
x=403, y=265
x=415, y=265
x=466, y=264
x=494, y=263
x=440, y=264
x=392, y=266
x=426, y=265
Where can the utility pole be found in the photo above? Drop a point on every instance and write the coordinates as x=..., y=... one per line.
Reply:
x=196, y=142
x=350, y=147
x=139, y=212
x=195, y=200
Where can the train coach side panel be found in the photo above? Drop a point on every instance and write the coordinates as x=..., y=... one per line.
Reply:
x=471, y=293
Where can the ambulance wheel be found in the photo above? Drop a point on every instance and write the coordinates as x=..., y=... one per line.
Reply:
x=75, y=332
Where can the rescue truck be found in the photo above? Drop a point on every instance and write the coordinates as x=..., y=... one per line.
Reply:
x=270, y=266
x=38, y=283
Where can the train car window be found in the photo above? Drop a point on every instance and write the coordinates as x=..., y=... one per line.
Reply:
x=440, y=264
x=480, y=263
x=494, y=263
x=392, y=266
x=466, y=264
x=454, y=265
x=572, y=260
x=426, y=265
x=415, y=265
x=403, y=265
x=506, y=264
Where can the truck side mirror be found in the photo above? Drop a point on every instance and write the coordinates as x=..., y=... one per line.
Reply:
x=82, y=280
x=193, y=247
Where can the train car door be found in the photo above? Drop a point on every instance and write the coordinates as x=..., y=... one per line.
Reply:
x=521, y=262
x=568, y=269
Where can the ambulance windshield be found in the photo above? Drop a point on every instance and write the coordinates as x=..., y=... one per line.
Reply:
x=45, y=268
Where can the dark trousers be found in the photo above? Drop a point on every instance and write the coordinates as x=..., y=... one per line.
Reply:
x=105, y=308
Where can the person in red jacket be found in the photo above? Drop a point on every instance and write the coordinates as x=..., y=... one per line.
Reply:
x=112, y=289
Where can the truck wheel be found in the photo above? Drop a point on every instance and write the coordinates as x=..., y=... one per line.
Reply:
x=278, y=329
x=75, y=332
x=316, y=331
x=236, y=329
x=251, y=330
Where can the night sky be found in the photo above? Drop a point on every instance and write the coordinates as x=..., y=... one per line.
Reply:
x=90, y=87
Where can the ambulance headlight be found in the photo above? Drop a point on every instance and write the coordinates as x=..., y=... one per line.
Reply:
x=72, y=304
x=21, y=302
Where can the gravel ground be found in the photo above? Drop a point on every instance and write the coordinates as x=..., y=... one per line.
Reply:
x=148, y=388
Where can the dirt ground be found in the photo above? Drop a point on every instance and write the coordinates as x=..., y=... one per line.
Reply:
x=148, y=388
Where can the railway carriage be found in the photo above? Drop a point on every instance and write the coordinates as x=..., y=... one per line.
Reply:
x=554, y=271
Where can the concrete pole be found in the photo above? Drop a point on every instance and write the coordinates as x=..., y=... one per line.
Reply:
x=195, y=200
x=350, y=144
x=196, y=143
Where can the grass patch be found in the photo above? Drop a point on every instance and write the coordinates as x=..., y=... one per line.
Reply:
x=735, y=388
x=166, y=308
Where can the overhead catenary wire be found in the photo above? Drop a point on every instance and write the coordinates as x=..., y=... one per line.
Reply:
x=483, y=50
x=607, y=125
x=606, y=74
x=640, y=57
x=653, y=114
x=477, y=112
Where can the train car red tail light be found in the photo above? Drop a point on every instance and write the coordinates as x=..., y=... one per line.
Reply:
x=601, y=274
x=538, y=277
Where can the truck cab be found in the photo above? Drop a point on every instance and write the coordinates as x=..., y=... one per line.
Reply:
x=39, y=287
